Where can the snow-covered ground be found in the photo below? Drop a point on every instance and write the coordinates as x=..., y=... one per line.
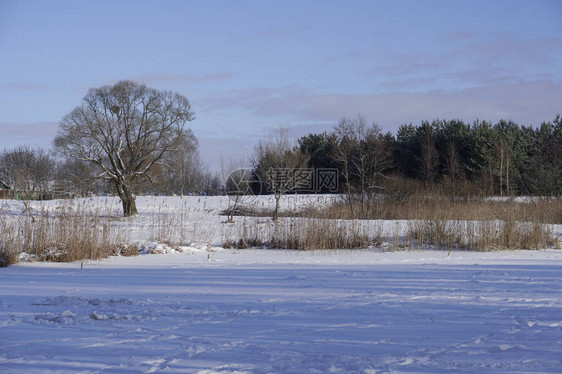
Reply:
x=183, y=220
x=195, y=221
x=261, y=311
x=272, y=311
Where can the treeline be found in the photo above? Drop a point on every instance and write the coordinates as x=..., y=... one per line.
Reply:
x=503, y=158
x=482, y=158
x=129, y=139
x=33, y=173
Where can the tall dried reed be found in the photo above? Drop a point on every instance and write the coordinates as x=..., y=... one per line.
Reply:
x=62, y=236
x=436, y=221
x=304, y=234
x=480, y=235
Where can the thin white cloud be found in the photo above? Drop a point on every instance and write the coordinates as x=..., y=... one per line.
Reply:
x=158, y=78
x=514, y=49
x=525, y=103
x=40, y=134
x=463, y=61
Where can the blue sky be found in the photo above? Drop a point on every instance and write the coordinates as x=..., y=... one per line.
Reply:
x=256, y=65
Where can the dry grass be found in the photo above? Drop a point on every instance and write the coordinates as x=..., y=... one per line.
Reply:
x=172, y=225
x=304, y=234
x=75, y=233
x=404, y=199
x=325, y=234
x=8, y=257
x=8, y=250
x=436, y=207
x=317, y=234
x=436, y=221
x=480, y=235
x=126, y=250
x=64, y=236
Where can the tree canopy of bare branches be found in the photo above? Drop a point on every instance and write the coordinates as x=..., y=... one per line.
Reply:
x=363, y=155
x=279, y=165
x=26, y=171
x=125, y=130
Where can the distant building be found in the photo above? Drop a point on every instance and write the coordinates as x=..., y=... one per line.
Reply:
x=5, y=192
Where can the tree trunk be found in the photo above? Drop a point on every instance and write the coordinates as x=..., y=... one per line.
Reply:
x=507, y=176
x=276, y=212
x=363, y=214
x=233, y=208
x=129, y=206
x=349, y=195
x=501, y=171
x=127, y=199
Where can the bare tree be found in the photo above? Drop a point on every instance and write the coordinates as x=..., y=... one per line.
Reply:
x=364, y=156
x=429, y=158
x=280, y=165
x=27, y=172
x=76, y=178
x=343, y=154
x=125, y=130
x=504, y=156
x=453, y=167
x=180, y=170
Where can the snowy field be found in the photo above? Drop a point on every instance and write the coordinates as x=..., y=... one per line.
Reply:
x=260, y=311
x=210, y=310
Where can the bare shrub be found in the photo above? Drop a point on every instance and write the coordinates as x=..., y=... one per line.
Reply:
x=279, y=164
x=363, y=155
x=8, y=257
